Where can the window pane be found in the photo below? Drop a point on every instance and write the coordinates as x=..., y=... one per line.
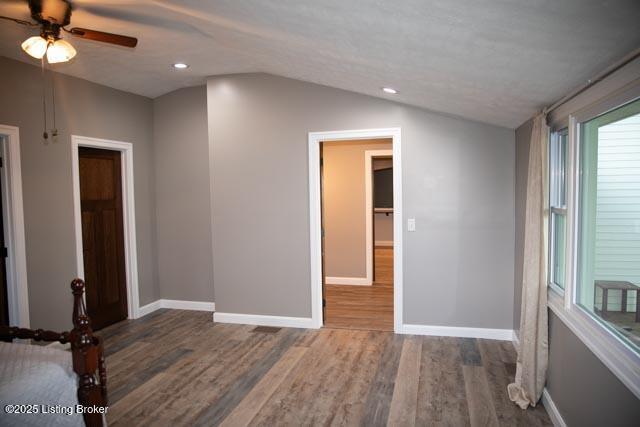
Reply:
x=557, y=203
x=562, y=160
x=609, y=220
x=559, y=261
x=557, y=168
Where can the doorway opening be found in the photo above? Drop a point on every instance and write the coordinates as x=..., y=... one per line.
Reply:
x=14, y=302
x=105, y=228
x=4, y=289
x=357, y=200
x=356, y=229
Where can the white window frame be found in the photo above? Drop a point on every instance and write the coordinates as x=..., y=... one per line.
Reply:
x=612, y=350
x=553, y=202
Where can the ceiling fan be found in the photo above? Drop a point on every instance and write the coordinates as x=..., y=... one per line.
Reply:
x=53, y=17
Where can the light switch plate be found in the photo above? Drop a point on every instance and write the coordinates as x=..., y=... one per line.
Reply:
x=411, y=224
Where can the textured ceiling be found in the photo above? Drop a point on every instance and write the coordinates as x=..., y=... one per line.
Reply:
x=495, y=61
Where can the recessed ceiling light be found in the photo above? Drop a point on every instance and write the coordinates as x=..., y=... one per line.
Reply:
x=389, y=90
x=180, y=65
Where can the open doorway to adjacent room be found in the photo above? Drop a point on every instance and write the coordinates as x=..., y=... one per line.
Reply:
x=14, y=296
x=357, y=233
x=104, y=217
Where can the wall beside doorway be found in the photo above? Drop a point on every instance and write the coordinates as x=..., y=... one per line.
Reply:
x=457, y=183
x=344, y=206
x=87, y=109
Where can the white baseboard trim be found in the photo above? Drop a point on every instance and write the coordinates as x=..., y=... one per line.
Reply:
x=384, y=243
x=515, y=340
x=552, y=409
x=176, y=305
x=187, y=305
x=454, y=331
x=262, y=320
x=149, y=308
x=358, y=281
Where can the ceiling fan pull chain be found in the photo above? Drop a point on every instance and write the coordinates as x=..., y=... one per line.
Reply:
x=45, y=135
x=54, y=130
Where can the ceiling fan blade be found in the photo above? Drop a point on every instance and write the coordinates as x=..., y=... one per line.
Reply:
x=103, y=37
x=138, y=18
x=19, y=21
x=17, y=9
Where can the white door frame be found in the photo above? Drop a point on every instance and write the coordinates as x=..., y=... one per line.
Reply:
x=17, y=287
x=315, y=215
x=369, y=155
x=128, y=214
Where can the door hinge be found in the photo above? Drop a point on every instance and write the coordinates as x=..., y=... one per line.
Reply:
x=1, y=162
x=5, y=253
x=324, y=302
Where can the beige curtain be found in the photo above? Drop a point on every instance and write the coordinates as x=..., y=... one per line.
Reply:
x=533, y=349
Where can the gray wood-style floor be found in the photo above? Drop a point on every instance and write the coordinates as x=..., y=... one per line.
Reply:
x=177, y=367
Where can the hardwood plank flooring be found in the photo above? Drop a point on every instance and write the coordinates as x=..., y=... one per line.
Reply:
x=405, y=393
x=178, y=368
x=258, y=396
x=482, y=411
x=442, y=398
x=380, y=395
x=364, y=307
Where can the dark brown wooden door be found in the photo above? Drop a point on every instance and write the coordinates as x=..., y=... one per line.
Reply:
x=103, y=235
x=4, y=300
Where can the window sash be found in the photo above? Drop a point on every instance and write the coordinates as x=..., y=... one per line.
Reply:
x=587, y=173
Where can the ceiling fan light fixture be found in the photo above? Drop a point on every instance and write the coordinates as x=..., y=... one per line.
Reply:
x=35, y=46
x=60, y=51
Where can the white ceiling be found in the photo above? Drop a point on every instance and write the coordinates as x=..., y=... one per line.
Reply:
x=495, y=61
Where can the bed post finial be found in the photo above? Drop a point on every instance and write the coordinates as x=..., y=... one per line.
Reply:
x=87, y=357
x=80, y=318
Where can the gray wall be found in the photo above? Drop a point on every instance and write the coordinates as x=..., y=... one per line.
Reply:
x=458, y=182
x=185, y=270
x=584, y=390
x=87, y=109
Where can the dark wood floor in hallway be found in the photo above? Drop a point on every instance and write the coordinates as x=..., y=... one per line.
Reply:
x=175, y=367
x=364, y=307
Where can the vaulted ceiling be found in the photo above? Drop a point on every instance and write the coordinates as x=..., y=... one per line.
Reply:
x=495, y=61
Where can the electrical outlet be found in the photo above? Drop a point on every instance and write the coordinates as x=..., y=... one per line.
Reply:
x=411, y=224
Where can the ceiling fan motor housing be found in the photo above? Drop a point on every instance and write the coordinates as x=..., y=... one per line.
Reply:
x=51, y=15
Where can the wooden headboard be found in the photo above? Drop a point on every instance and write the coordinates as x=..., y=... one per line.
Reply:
x=86, y=351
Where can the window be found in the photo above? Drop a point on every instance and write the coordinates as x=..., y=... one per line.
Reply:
x=608, y=214
x=557, y=209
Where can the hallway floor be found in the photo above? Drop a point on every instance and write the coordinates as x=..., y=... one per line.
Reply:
x=364, y=307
